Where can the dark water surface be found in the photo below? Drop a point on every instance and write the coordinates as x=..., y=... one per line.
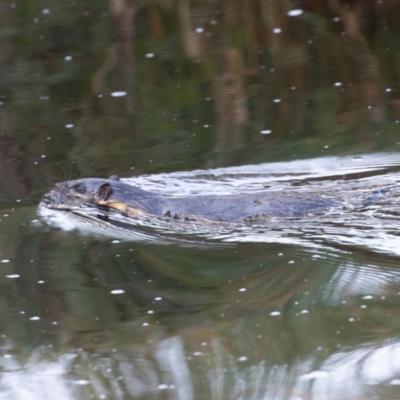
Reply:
x=189, y=97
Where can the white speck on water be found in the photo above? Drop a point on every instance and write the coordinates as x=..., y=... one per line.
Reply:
x=275, y=313
x=117, y=291
x=162, y=386
x=36, y=20
x=243, y=358
x=277, y=100
x=363, y=306
x=158, y=298
x=265, y=132
x=336, y=19
x=304, y=312
x=45, y=11
x=68, y=58
x=150, y=55
x=34, y=318
x=277, y=30
x=118, y=94
x=40, y=282
x=291, y=262
x=197, y=353
x=150, y=312
x=13, y=276
x=55, y=323
x=44, y=97
x=388, y=89
x=115, y=241
x=351, y=319
x=242, y=289
x=82, y=382
x=199, y=30
x=145, y=324
x=213, y=22
x=5, y=260
x=295, y=13
x=69, y=126
x=368, y=297
x=43, y=156
x=338, y=83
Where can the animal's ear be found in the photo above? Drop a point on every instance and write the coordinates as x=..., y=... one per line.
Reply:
x=103, y=192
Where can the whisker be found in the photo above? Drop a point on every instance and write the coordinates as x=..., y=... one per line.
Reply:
x=86, y=169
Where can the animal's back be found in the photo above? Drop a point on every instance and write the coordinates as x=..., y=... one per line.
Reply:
x=236, y=208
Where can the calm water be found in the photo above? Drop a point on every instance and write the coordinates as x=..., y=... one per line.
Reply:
x=183, y=98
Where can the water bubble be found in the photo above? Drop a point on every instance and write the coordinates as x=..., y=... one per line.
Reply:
x=275, y=313
x=295, y=12
x=117, y=291
x=82, y=382
x=118, y=94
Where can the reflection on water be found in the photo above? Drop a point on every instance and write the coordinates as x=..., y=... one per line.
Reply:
x=295, y=309
x=304, y=308
x=366, y=186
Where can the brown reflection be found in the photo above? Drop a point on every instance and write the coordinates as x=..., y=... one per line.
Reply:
x=237, y=67
x=370, y=85
x=124, y=12
x=12, y=169
x=191, y=41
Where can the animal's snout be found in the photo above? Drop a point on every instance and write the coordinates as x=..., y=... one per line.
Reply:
x=60, y=187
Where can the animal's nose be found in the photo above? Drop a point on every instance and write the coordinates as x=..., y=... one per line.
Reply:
x=59, y=187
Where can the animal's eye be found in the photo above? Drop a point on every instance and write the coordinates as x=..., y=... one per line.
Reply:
x=80, y=188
